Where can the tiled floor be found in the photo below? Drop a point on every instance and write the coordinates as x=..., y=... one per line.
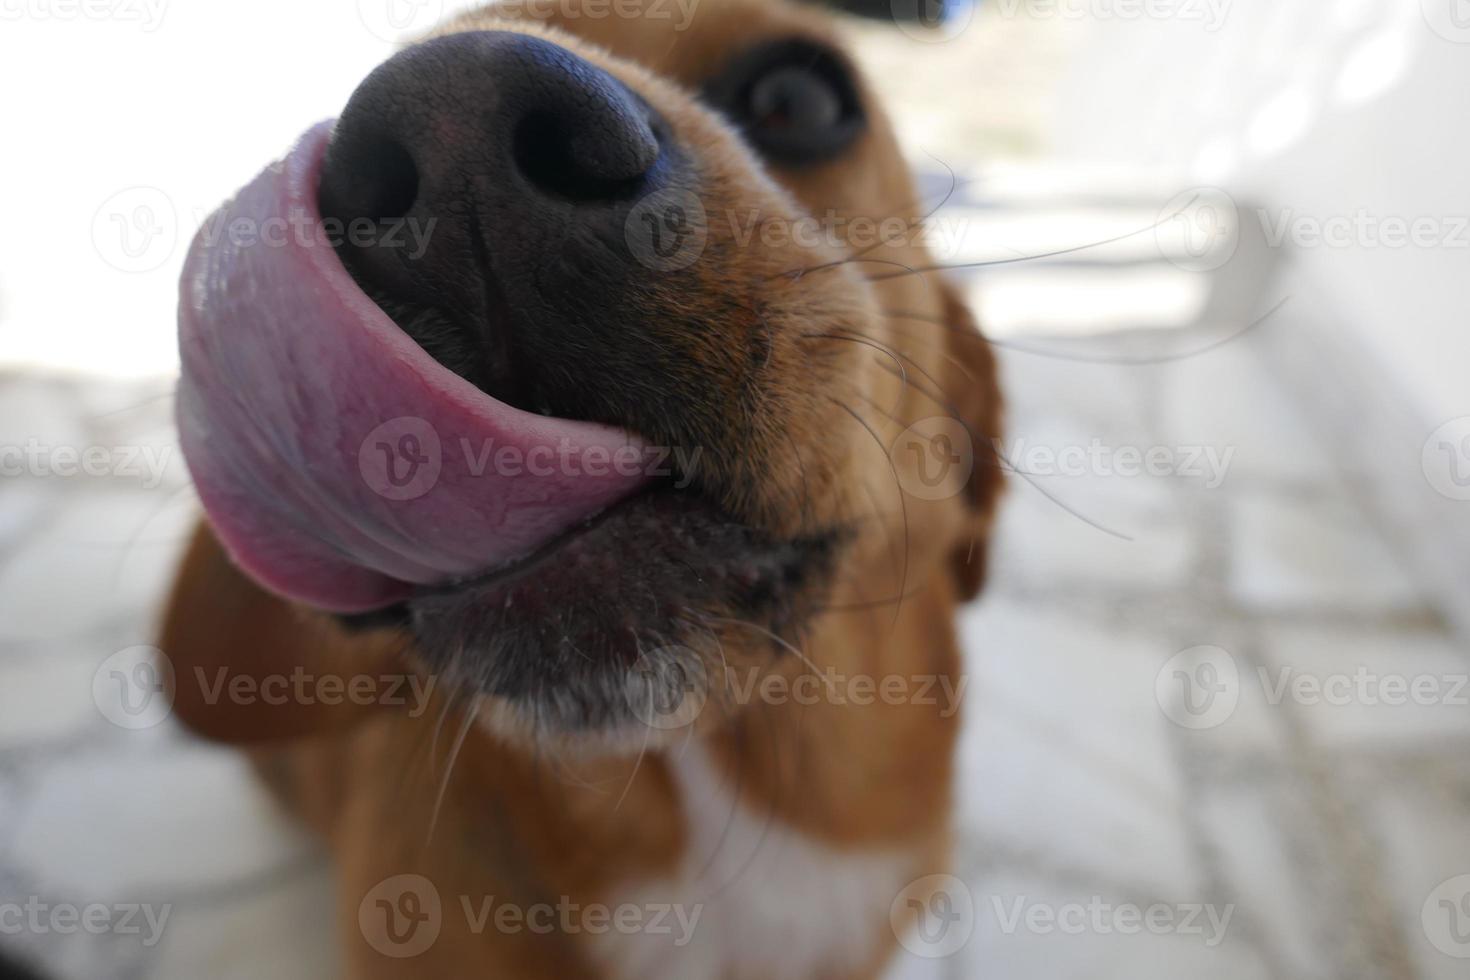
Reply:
x=1096, y=779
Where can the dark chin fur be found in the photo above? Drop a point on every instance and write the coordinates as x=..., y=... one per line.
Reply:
x=559, y=635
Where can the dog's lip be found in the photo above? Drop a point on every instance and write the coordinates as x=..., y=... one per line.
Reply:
x=289, y=374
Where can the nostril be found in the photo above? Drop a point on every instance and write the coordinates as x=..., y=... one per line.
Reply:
x=375, y=178
x=580, y=169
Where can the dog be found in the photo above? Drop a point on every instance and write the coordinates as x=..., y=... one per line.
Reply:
x=706, y=729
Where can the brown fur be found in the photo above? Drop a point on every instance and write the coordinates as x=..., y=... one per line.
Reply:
x=529, y=819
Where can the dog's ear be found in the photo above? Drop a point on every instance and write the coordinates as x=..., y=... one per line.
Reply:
x=974, y=387
x=248, y=667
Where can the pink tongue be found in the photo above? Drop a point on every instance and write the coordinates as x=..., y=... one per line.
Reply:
x=339, y=463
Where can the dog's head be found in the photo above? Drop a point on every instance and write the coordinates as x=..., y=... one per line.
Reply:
x=698, y=230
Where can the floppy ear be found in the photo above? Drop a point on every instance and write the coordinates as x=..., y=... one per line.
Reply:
x=975, y=388
x=249, y=667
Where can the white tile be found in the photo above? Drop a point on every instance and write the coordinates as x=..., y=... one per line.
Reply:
x=1261, y=871
x=25, y=505
x=38, y=409
x=1288, y=553
x=1226, y=397
x=1114, y=534
x=1066, y=752
x=130, y=827
x=1375, y=689
x=110, y=553
x=45, y=696
x=1042, y=390
x=1425, y=844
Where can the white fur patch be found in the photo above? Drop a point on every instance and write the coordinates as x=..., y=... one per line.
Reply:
x=771, y=902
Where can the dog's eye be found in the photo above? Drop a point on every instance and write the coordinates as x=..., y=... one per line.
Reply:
x=795, y=101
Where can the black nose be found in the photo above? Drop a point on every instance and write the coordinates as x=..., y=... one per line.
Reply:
x=466, y=165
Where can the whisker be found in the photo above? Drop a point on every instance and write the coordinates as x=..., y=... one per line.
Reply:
x=459, y=740
x=1126, y=360
x=954, y=183
x=986, y=263
x=902, y=501
x=784, y=643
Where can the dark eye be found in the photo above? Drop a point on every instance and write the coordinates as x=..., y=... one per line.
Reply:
x=794, y=100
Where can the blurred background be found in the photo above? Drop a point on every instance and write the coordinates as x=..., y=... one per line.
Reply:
x=1223, y=250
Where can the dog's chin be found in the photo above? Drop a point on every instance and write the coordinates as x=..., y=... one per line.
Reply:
x=614, y=632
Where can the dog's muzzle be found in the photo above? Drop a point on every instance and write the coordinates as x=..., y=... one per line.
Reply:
x=478, y=190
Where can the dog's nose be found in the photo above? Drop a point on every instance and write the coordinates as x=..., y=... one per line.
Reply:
x=471, y=163
x=516, y=111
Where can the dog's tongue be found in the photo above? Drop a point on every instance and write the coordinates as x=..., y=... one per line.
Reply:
x=339, y=464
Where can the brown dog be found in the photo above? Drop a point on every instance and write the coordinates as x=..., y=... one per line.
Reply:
x=709, y=734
